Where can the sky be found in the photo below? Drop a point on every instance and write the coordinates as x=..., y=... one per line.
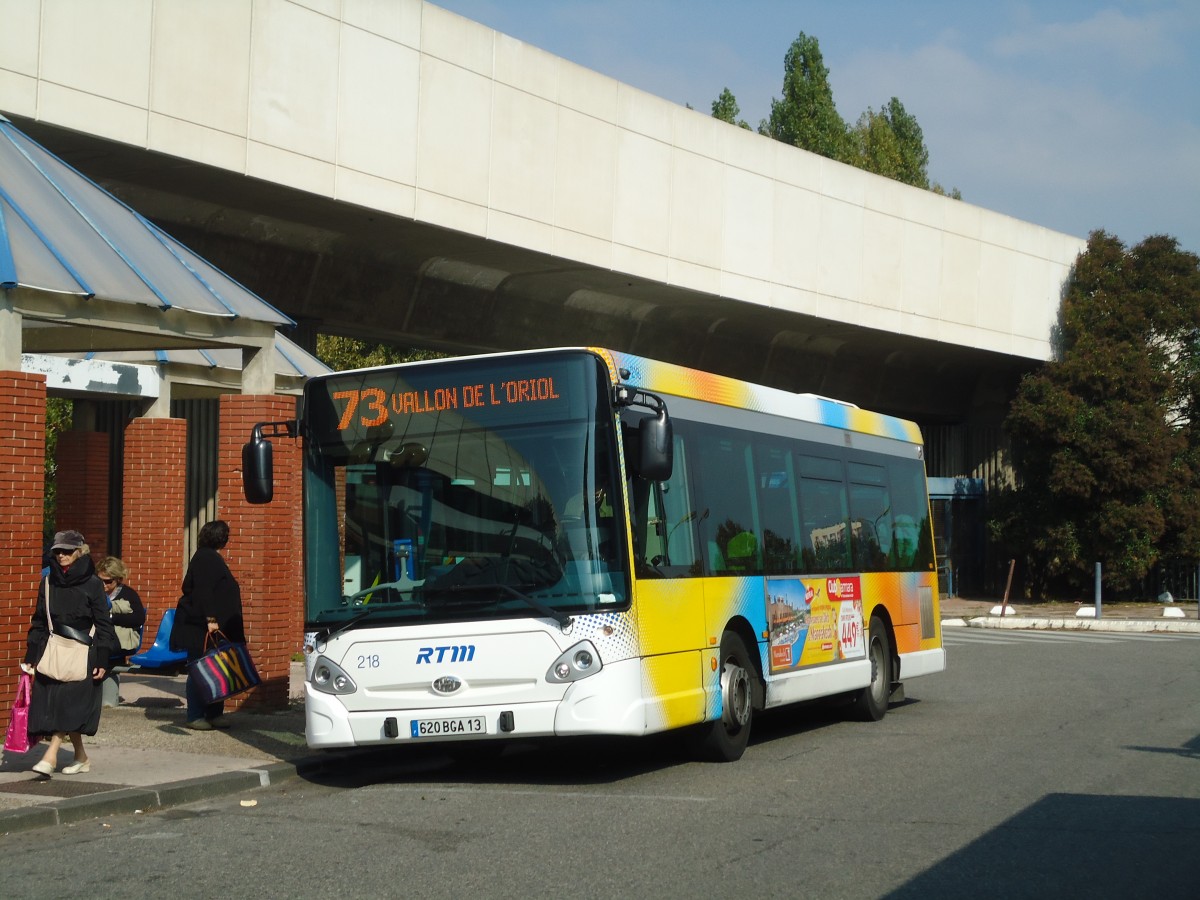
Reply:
x=1069, y=114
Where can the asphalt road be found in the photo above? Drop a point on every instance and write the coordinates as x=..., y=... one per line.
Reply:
x=1039, y=765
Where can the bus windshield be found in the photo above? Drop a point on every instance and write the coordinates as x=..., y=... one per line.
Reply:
x=463, y=489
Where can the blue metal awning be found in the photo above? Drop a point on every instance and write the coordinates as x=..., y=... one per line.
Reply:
x=62, y=233
x=291, y=360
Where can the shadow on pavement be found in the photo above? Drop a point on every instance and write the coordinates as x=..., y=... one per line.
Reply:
x=1075, y=845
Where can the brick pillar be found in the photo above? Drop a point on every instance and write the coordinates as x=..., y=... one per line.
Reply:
x=22, y=471
x=82, y=487
x=265, y=549
x=152, y=513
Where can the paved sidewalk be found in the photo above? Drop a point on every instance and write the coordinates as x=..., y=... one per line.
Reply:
x=144, y=759
x=1139, y=617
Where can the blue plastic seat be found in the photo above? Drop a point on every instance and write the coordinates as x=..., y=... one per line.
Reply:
x=160, y=655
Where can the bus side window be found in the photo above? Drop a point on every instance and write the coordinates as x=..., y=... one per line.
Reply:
x=778, y=509
x=912, y=548
x=670, y=522
x=724, y=488
x=871, y=532
x=823, y=499
x=741, y=554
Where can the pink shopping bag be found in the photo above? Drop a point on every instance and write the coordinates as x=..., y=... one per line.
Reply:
x=16, y=739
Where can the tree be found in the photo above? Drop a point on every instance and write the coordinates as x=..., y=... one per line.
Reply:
x=806, y=116
x=910, y=140
x=59, y=415
x=891, y=143
x=1105, y=436
x=725, y=108
x=341, y=353
x=875, y=145
x=952, y=193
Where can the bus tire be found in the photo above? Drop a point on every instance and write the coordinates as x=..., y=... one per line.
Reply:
x=871, y=702
x=725, y=739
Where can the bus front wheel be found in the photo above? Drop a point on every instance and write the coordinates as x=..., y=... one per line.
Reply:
x=725, y=739
x=871, y=702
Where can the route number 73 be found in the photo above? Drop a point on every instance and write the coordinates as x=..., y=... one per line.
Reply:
x=373, y=400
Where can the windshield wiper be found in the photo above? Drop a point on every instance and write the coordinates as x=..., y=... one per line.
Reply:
x=558, y=616
x=371, y=610
x=401, y=586
x=350, y=623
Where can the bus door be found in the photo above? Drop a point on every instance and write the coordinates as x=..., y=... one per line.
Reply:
x=668, y=593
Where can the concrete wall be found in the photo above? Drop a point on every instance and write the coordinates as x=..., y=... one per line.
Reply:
x=400, y=106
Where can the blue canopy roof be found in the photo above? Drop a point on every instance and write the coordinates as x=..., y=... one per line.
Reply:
x=61, y=232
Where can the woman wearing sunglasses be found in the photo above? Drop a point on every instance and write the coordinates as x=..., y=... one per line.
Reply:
x=128, y=618
x=63, y=710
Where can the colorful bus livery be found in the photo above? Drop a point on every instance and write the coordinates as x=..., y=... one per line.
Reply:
x=578, y=541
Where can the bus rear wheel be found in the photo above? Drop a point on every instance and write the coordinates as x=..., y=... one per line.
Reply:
x=725, y=739
x=871, y=702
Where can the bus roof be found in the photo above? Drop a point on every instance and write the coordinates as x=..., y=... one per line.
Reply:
x=680, y=381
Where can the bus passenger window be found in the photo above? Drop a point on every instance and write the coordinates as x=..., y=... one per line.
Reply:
x=913, y=545
x=741, y=553
x=823, y=500
x=777, y=509
x=904, y=545
x=871, y=513
x=670, y=523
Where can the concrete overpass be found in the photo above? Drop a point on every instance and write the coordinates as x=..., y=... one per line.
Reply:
x=388, y=170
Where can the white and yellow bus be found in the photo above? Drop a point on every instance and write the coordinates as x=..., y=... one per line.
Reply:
x=585, y=542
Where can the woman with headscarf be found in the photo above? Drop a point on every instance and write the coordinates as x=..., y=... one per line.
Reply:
x=211, y=602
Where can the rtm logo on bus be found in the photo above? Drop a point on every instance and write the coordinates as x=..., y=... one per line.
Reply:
x=459, y=653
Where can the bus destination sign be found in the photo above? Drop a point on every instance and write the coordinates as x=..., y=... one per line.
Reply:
x=370, y=407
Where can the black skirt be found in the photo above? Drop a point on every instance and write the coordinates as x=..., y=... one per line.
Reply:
x=65, y=705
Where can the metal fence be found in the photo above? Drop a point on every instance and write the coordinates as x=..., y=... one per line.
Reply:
x=1180, y=577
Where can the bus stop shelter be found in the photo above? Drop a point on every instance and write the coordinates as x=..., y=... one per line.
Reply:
x=99, y=304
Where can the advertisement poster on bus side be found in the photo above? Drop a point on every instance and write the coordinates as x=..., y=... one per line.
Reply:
x=814, y=621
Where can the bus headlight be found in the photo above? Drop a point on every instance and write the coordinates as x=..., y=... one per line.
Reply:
x=577, y=662
x=330, y=678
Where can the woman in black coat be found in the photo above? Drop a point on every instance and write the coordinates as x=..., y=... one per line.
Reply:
x=211, y=602
x=69, y=709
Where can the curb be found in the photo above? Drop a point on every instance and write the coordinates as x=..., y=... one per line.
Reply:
x=1071, y=623
x=72, y=810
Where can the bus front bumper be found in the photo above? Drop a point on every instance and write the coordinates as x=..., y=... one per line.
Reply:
x=609, y=703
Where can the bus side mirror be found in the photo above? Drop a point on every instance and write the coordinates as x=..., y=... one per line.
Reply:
x=656, y=449
x=258, y=469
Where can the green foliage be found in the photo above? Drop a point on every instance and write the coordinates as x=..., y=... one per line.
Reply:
x=726, y=109
x=889, y=142
x=952, y=193
x=806, y=116
x=59, y=413
x=1106, y=437
x=341, y=353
